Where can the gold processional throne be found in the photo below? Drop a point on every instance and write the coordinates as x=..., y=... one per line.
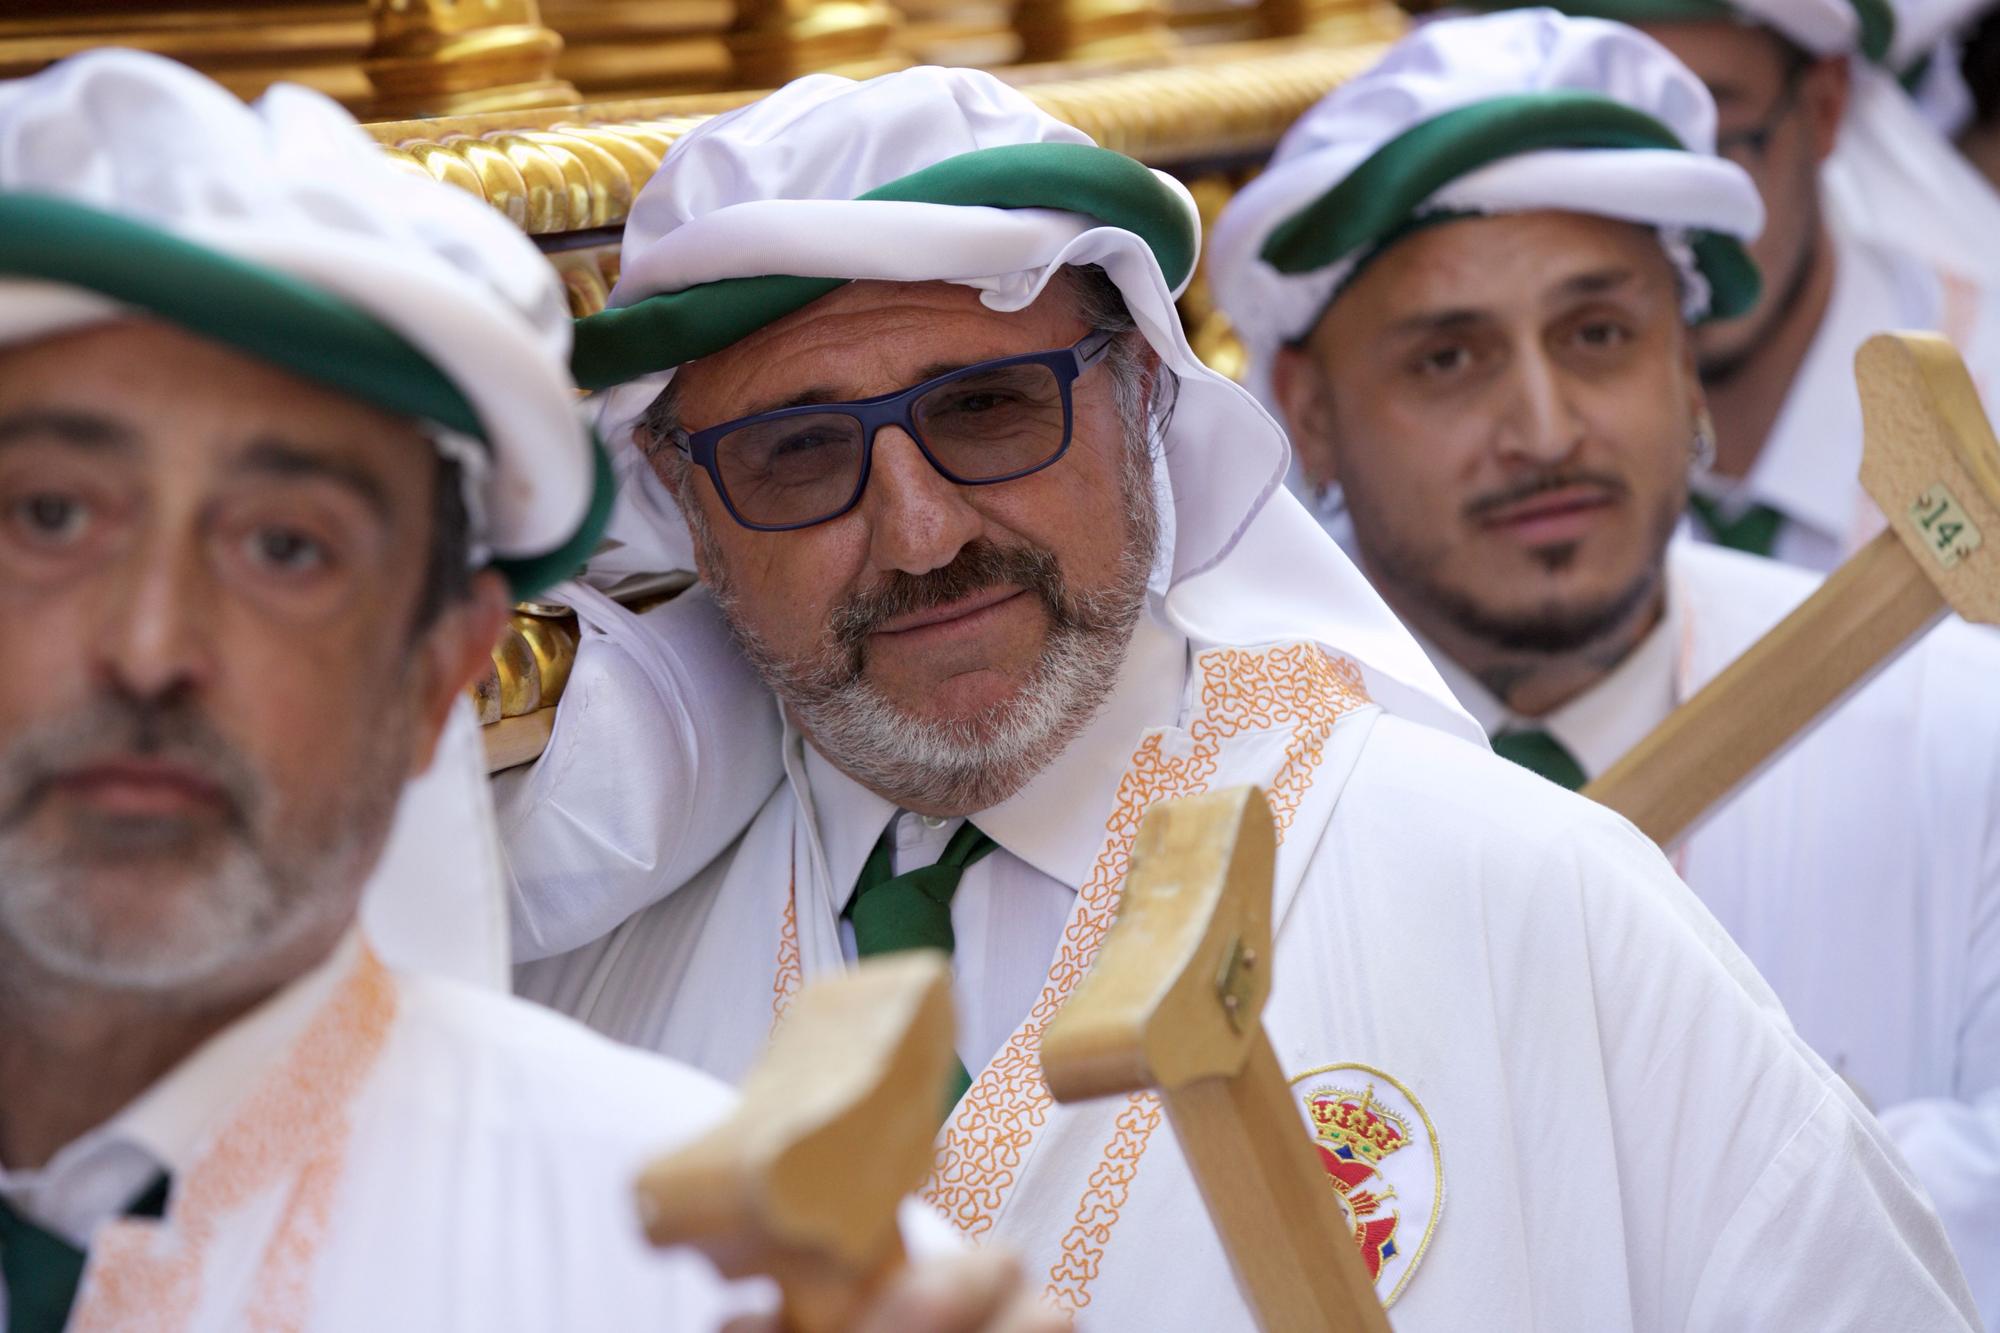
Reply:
x=556, y=114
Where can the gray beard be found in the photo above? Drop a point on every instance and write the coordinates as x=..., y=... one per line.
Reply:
x=966, y=765
x=970, y=764
x=253, y=888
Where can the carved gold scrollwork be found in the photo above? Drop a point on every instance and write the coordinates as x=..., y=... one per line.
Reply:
x=555, y=175
x=1092, y=29
x=529, y=666
x=449, y=57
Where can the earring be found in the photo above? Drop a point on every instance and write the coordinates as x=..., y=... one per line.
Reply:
x=1704, y=440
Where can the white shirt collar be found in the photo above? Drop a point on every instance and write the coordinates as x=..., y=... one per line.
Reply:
x=1600, y=725
x=1052, y=823
x=95, y=1177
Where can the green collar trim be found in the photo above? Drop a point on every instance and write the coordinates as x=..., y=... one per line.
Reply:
x=1377, y=201
x=268, y=315
x=1877, y=19
x=673, y=328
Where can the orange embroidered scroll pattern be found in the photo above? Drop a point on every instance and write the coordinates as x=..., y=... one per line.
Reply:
x=289, y=1136
x=1299, y=687
x=979, y=1156
x=791, y=967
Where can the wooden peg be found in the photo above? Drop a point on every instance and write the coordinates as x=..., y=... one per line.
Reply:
x=833, y=1131
x=1175, y=1003
x=1930, y=461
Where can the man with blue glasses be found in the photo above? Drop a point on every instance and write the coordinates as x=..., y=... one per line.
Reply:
x=281, y=431
x=896, y=365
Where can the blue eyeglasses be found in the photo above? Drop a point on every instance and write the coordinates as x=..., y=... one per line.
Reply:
x=987, y=423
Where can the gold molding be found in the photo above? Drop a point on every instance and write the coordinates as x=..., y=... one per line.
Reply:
x=577, y=168
x=448, y=56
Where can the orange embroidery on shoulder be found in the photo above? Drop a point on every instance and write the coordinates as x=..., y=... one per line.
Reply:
x=289, y=1135
x=978, y=1159
x=791, y=968
x=1103, y=1203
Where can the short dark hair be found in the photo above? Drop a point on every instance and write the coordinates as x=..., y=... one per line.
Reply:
x=447, y=567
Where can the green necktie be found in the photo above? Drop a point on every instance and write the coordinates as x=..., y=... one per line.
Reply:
x=42, y=1269
x=1754, y=530
x=1539, y=752
x=912, y=910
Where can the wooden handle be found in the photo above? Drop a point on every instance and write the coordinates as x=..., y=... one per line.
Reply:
x=1288, y=1238
x=1175, y=1002
x=833, y=1130
x=1857, y=621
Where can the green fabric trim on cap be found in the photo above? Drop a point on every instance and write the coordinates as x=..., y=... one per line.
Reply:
x=1379, y=198
x=270, y=315
x=672, y=328
x=1877, y=20
x=267, y=315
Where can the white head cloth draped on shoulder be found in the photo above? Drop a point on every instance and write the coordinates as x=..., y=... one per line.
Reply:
x=1505, y=113
x=951, y=175
x=132, y=187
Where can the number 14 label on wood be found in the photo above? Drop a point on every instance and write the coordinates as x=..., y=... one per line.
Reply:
x=1944, y=527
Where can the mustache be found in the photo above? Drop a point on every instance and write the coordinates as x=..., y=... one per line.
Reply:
x=1541, y=481
x=114, y=728
x=980, y=565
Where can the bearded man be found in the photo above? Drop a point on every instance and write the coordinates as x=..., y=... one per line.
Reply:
x=281, y=432
x=1502, y=386
x=1873, y=222
x=1016, y=566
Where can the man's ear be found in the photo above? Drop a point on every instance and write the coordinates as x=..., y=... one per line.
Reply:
x=1824, y=94
x=449, y=656
x=1305, y=402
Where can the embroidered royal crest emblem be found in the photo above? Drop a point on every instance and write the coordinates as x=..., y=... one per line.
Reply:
x=1381, y=1156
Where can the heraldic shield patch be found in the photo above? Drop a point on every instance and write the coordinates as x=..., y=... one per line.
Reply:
x=1381, y=1156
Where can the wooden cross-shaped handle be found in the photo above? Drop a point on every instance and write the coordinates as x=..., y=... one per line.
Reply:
x=833, y=1131
x=1174, y=1003
x=1930, y=461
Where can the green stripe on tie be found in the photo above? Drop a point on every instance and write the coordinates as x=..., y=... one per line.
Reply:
x=42, y=1270
x=892, y=913
x=1754, y=530
x=1539, y=752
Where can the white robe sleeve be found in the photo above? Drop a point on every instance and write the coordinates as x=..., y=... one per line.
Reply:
x=1954, y=1147
x=1953, y=1143
x=1811, y=1220
x=1788, y=1208
x=665, y=745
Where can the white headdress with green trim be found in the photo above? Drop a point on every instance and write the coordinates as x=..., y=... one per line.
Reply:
x=130, y=184
x=951, y=175
x=1505, y=113
x=1893, y=179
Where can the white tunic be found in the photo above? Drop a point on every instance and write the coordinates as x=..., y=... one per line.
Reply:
x=377, y=1150
x=1810, y=464
x=1860, y=872
x=1550, y=1091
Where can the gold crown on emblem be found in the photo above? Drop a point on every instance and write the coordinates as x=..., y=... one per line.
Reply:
x=1356, y=1120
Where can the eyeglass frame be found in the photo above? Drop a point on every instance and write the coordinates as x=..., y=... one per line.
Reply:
x=898, y=408
x=1756, y=139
